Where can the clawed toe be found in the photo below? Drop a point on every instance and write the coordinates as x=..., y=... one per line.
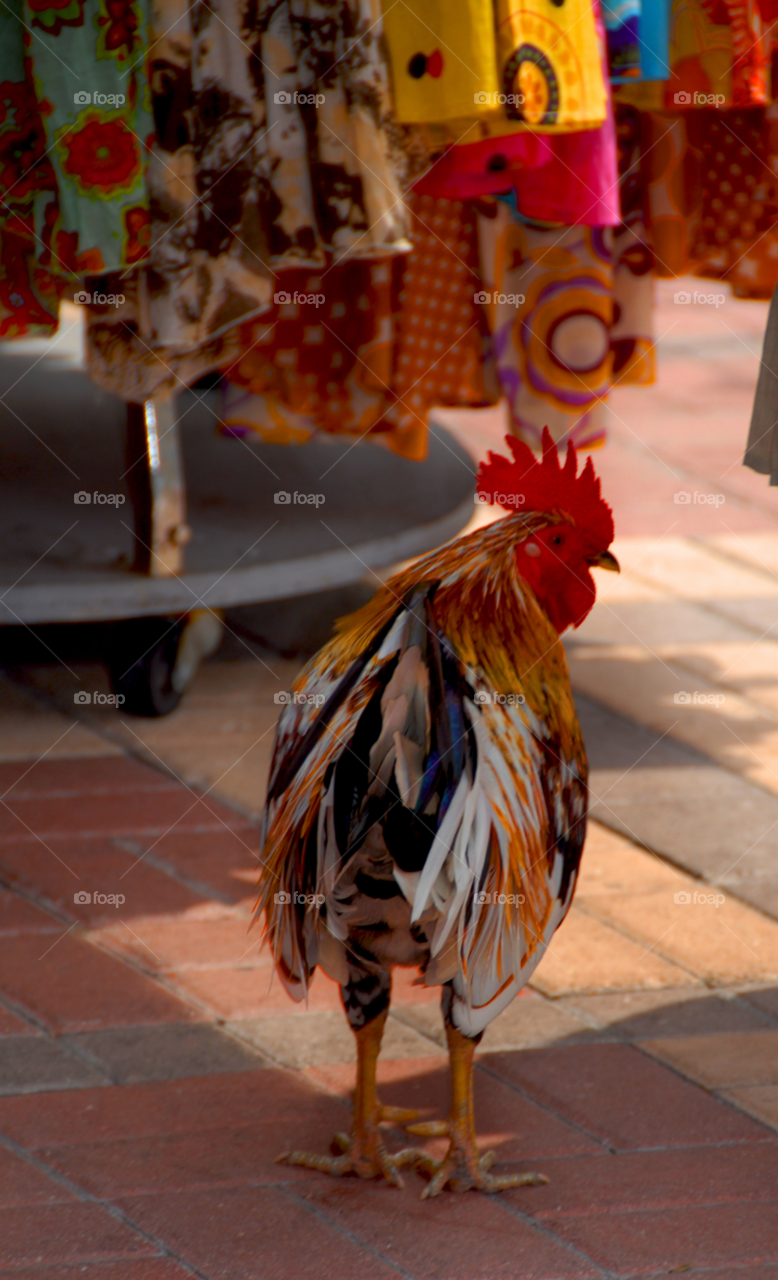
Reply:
x=453, y=1171
x=461, y=1170
x=505, y=1181
x=463, y=1179
x=471, y=1175
x=396, y=1115
x=353, y=1160
x=429, y=1129
x=335, y=1165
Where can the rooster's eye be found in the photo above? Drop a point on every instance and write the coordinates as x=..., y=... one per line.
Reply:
x=557, y=541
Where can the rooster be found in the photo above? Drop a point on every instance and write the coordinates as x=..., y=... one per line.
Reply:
x=428, y=793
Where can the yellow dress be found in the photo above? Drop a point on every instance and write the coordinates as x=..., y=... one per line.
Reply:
x=482, y=69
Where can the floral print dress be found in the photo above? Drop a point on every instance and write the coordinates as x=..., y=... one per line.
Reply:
x=275, y=149
x=74, y=126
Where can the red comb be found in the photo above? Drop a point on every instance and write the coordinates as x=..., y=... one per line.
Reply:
x=528, y=485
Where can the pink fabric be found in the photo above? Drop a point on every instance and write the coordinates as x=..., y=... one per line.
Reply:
x=484, y=168
x=580, y=187
x=570, y=178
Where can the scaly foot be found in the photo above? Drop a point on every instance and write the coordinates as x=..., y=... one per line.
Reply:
x=365, y=1159
x=363, y=1153
x=462, y=1168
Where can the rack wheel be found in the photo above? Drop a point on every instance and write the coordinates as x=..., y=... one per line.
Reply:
x=153, y=660
x=141, y=665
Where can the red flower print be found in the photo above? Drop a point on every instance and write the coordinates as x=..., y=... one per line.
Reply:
x=52, y=15
x=65, y=256
x=24, y=167
x=28, y=296
x=90, y=262
x=118, y=28
x=102, y=156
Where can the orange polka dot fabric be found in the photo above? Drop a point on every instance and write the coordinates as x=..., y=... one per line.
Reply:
x=739, y=202
x=440, y=340
x=711, y=195
x=368, y=347
x=323, y=361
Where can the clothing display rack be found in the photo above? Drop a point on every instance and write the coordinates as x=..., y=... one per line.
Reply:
x=347, y=217
x=197, y=528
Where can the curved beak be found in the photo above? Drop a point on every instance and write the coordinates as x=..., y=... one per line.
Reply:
x=605, y=560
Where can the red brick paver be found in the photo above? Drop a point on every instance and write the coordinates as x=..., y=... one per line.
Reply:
x=252, y=1233
x=69, y=985
x=146, y=1181
x=669, y=1240
x=157, y=1268
x=624, y=1098
x=66, y=1232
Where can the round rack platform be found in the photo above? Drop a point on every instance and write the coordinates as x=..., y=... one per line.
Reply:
x=63, y=559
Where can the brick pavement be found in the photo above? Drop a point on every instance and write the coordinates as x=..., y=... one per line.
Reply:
x=138, y=1123
x=150, y=1068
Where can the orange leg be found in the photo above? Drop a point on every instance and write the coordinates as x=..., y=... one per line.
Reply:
x=462, y=1167
x=364, y=1153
